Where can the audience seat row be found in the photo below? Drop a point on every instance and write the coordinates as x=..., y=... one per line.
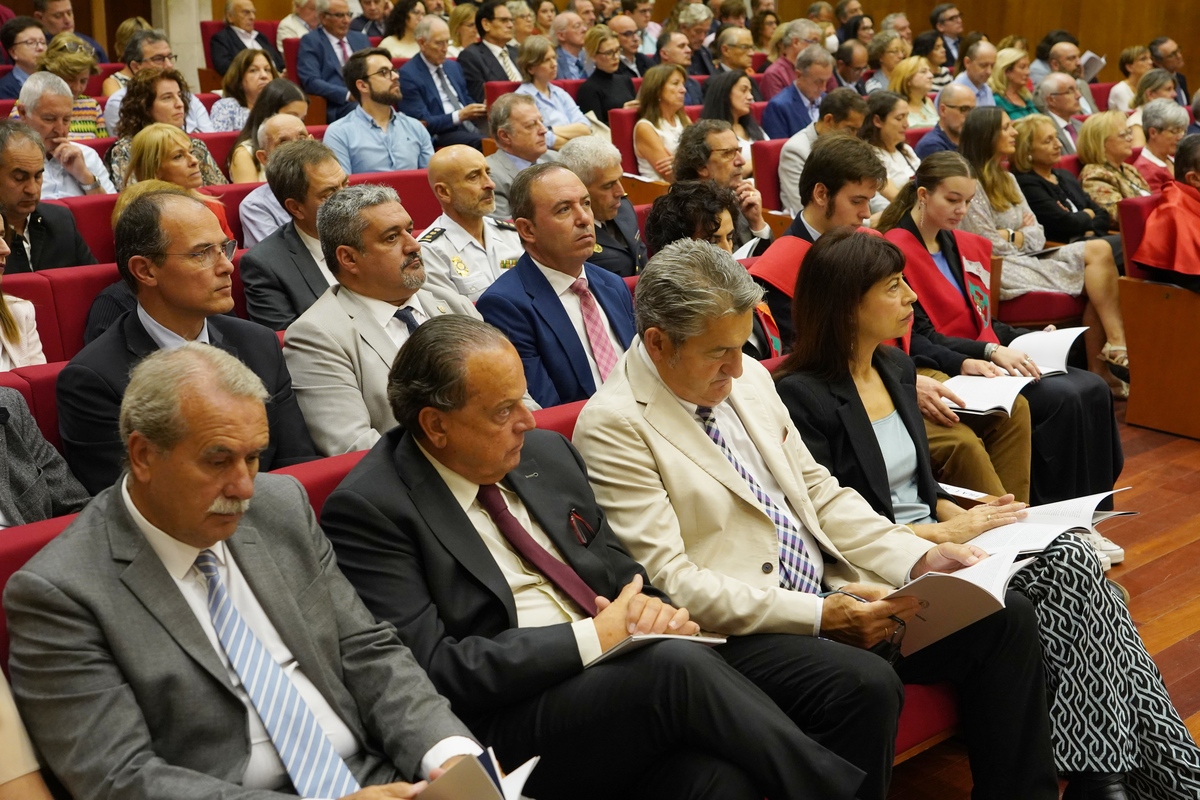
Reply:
x=621, y=122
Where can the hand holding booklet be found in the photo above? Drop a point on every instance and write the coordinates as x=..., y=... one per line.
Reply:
x=982, y=396
x=1043, y=524
x=637, y=640
x=480, y=778
x=1048, y=349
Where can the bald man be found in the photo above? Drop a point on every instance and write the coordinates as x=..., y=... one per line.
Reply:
x=260, y=212
x=1066, y=58
x=465, y=250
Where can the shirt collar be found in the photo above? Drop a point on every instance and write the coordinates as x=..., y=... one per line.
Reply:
x=20, y=74
x=433, y=68
x=333, y=40
x=165, y=338
x=560, y=282
x=313, y=246
x=457, y=235
x=464, y=490
x=1153, y=159
x=495, y=48
x=689, y=407
x=813, y=232
x=518, y=162
x=175, y=555
x=245, y=37
x=382, y=311
x=358, y=109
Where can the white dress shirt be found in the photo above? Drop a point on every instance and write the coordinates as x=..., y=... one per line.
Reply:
x=58, y=183
x=384, y=313
x=337, y=50
x=314, y=249
x=482, y=263
x=165, y=338
x=561, y=282
x=538, y=600
x=250, y=40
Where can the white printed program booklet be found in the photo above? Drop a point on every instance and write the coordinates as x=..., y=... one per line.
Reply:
x=984, y=396
x=1048, y=349
x=1046, y=523
x=480, y=778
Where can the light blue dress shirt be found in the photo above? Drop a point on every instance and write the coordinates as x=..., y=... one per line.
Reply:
x=983, y=95
x=362, y=146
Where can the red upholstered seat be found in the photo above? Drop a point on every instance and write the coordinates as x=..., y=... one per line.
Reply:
x=34, y=287
x=317, y=131
x=1133, y=212
x=208, y=29
x=765, y=156
x=631, y=284
x=620, y=122
x=559, y=418
x=219, y=144
x=239, y=289
x=268, y=28
x=322, y=476
x=42, y=379
x=757, y=109
x=413, y=187
x=929, y=712
x=74, y=290
x=1100, y=92
x=1071, y=164
x=100, y=145
x=571, y=87
x=232, y=195
x=1038, y=309
x=10, y=380
x=17, y=546
x=758, y=61
x=291, y=53
x=93, y=217
x=493, y=89
x=693, y=112
x=208, y=99
x=6, y=107
x=913, y=135
x=399, y=62
x=95, y=84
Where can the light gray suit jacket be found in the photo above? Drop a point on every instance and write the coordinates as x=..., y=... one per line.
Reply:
x=1068, y=145
x=339, y=358
x=124, y=695
x=503, y=170
x=35, y=483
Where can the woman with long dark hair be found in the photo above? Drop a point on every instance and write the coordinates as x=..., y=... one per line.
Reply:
x=1114, y=729
x=280, y=96
x=728, y=97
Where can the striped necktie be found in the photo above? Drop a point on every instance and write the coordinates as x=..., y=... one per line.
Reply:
x=602, y=348
x=313, y=765
x=796, y=570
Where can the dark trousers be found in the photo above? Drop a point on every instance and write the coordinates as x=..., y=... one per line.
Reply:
x=849, y=700
x=671, y=720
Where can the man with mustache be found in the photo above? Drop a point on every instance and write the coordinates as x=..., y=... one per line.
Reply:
x=340, y=349
x=466, y=249
x=172, y=253
x=569, y=320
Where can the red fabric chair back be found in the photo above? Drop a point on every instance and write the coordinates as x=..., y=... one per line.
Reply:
x=219, y=144
x=93, y=217
x=100, y=145
x=317, y=131
x=374, y=40
x=1100, y=92
x=765, y=156
x=399, y=62
x=758, y=61
x=6, y=108
x=5, y=69
x=631, y=284
x=43, y=378
x=559, y=418
x=637, y=84
x=620, y=122
x=17, y=546
x=413, y=187
x=693, y=112
x=9, y=380
x=756, y=110
x=322, y=476
x=207, y=99
x=232, y=195
x=75, y=288
x=239, y=289
x=268, y=28
x=1071, y=164
x=571, y=86
x=291, y=57
x=95, y=84
x=643, y=211
x=493, y=89
x=1134, y=213
x=208, y=29
x=34, y=287
x=913, y=135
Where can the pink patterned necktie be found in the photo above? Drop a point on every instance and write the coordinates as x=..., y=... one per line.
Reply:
x=345, y=51
x=602, y=349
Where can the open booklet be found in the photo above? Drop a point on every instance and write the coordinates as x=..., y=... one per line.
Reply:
x=1092, y=64
x=950, y=601
x=1046, y=523
x=1048, y=349
x=631, y=643
x=985, y=395
x=480, y=778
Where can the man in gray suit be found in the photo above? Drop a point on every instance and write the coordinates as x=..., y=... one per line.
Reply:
x=520, y=136
x=1057, y=96
x=340, y=350
x=153, y=641
x=286, y=272
x=35, y=483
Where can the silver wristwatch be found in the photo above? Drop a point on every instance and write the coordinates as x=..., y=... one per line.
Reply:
x=989, y=350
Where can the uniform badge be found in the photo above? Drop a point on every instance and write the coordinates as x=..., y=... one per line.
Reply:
x=431, y=234
x=460, y=266
x=442, y=307
x=505, y=225
x=508, y=263
x=597, y=249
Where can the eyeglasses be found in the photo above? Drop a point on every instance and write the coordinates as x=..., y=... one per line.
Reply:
x=159, y=60
x=951, y=18
x=607, y=53
x=210, y=256
x=1126, y=134
x=960, y=109
x=76, y=47
x=1074, y=90
x=727, y=152
x=386, y=72
x=338, y=14
x=811, y=41
x=628, y=33
x=36, y=44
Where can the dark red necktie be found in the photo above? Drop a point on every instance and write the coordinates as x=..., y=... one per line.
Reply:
x=560, y=574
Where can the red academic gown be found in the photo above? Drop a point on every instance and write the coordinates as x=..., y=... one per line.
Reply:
x=1175, y=222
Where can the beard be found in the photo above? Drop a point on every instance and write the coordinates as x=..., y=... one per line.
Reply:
x=410, y=278
x=388, y=98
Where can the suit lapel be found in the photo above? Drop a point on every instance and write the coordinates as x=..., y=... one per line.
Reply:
x=449, y=523
x=8, y=503
x=366, y=326
x=306, y=268
x=611, y=306
x=862, y=438
x=547, y=306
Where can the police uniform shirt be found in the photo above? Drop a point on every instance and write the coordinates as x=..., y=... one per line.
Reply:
x=456, y=262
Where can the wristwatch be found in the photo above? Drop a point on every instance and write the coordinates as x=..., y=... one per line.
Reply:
x=91, y=187
x=989, y=350
x=1012, y=236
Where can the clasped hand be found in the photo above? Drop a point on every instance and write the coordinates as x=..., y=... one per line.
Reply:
x=633, y=612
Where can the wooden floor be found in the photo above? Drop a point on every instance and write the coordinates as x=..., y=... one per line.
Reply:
x=1161, y=572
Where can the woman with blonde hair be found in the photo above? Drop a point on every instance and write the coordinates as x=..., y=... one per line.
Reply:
x=1155, y=84
x=1134, y=63
x=20, y=344
x=660, y=121
x=605, y=89
x=912, y=79
x=1010, y=83
x=538, y=64
x=1105, y=141
x=463, y=32
x=125, y=32
x=248, y=74
x=73, y=60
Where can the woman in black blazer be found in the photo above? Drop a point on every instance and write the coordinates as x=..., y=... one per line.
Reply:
x=842, y=385
x=605, y=89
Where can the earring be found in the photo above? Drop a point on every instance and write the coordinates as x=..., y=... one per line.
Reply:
x=921, y=211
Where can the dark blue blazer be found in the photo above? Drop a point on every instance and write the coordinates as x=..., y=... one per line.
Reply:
x=785, y=115
x=320, y=70
x=10, y=88
x=421, y=99
x=523, y=305
x=226, y=44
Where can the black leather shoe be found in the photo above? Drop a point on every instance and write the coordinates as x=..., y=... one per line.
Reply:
x=1096, y=786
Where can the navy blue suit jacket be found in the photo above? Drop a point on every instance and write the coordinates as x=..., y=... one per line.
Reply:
x=785, y=114
x=10, y=88
x=523, y=304
x=421, y=99
x=320, y=70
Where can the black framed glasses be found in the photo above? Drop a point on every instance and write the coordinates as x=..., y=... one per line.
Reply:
x=386, y=72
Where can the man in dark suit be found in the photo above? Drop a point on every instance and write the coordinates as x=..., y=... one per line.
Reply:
x=178, y=635
x=237, y=35
x=433, y=90
x=323, y=53
x=57, y=16
x=569, y=320
x=619, y=246
x=673, y=48
x=1166, y=55
x=285, y=273
x=372, y=20
x=695, y=20
x=633, y=63
x=1057, y=97
x=491, y=58
x=45, y=236
x=35, y=483
x=183, y=283
x=481, y=540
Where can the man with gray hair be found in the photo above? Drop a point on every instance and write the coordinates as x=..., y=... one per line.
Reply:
x=695, y=21
x=46, y=105
x=520, y=136
x=1066, y=58
x=798, y=106
x=978, y=62
x=568, y=30
x=569, y=320
x=227, y=654
x=953, y=103
x=324, y=52
x=798, y=35
x=151, y=48
x=260, y=212
x=238, y=35
x=378, y=301
x=433, y=90
x=286, y=272
x=707, y=482
x=733, y=48
x=466, y=249
x=173, y=255
x=619, y=246
x=1057, y=97
x=298, y=23
x=899, y=23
